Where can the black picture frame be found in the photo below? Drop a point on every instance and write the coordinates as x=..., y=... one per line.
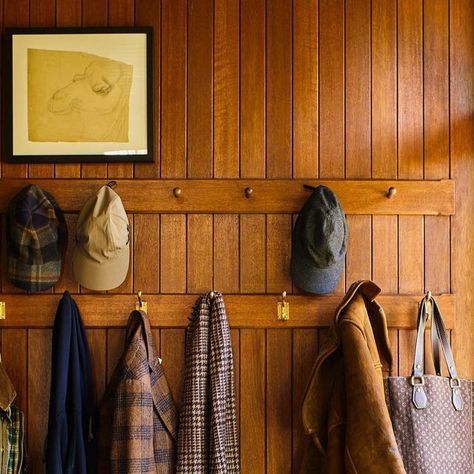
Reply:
x=8, y=79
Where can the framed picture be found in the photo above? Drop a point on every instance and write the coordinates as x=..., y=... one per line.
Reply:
x=78, y=95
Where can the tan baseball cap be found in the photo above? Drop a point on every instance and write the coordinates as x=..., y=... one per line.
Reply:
x=102, y=253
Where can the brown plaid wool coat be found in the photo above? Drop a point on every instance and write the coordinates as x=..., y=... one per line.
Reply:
x=138, y=419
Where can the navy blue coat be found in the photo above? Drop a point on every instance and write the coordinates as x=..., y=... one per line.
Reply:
x=71, y=446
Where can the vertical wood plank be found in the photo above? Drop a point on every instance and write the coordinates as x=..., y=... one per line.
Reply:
x=384, y=89
x=359, y=249
x=68, y=13
x=278, y=253
x=173, y=89
x=278, y=400
x=115, y=348
x=385, y=253
x=149, y=14
x=172, y=353
x=39, y=382
x=146, y=243
x=436, y=89
x=7, y=285
x=200, y=88
x=252, y=400
x=393, y=338
x=226, y=253
x=331, y=88
x=67, y=280
x=15, y=13
x=462, y=169
x=200, y=253
x=226, y=88
x=252, y=253
x=279, y=89
x=305, y=88
x=358, y=83
x=97, y=339
x=15, y=361
x=252, y=89
x=437, y=254
x=411, y=255
x=406, y=351
x=410, y=89
x=173, y=253
x=235, y=335
x=305, y=351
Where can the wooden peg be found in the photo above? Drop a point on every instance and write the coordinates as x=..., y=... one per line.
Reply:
x=177, y=192
x=248, y=192
x=391, y=192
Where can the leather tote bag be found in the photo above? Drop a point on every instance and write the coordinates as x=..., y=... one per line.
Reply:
x=432, y=416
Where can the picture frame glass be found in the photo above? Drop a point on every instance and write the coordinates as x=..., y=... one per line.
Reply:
x=80, y=96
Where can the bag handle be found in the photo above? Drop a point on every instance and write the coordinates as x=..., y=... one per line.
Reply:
x=438, y=338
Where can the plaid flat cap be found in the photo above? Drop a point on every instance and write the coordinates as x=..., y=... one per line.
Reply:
x=37, y=237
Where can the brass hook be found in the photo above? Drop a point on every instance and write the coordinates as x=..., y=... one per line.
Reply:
x=3, y=310
x=212, y=295
x=429, y=305
x=112, y=184
x=283, y=308
x=141, y=305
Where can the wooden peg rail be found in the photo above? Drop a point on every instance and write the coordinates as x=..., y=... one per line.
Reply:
x=244, y=311
x=407, y=197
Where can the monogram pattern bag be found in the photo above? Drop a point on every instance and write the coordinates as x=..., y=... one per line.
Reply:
x=433, y=416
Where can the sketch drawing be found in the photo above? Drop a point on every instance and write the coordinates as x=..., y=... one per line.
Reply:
x=77, y=97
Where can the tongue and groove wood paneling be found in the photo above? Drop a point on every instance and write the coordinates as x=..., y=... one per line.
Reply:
x=343, y=89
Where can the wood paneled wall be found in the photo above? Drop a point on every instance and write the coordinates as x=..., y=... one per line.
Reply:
x=277, y=89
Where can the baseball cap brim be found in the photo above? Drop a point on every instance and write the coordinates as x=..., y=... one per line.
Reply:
x=33, y=277
x=101, y=276
x=312, y=279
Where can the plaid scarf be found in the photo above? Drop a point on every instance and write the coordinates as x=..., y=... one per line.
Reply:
x=207, y=435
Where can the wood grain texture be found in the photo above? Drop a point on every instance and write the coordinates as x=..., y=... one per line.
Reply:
x=462, y=168
x=226, y=88
x=384, y=89
x=252, y=401
x=278, y=400
x=172, y=354
x=411, y=255
x=359, y=250
x=244, y=310
x=252, y=253
x=276, y=196
x=173, y=88
x=146, y=264
x=278, y=253
x=39, y=381
x=305, y=89
x=200, y=88
x=226, y=253
x=279, y=89
x=252, y=88
x=173, y=254
x=357, y=87
x=385, y=252
x=200, y=253
x=331, y=88
x=410, y=89
x=97, y=339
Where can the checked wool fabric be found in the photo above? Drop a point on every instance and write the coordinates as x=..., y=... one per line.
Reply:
x=138, y=419
x=207, y=436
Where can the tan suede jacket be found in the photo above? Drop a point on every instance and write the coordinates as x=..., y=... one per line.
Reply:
x=344, y=407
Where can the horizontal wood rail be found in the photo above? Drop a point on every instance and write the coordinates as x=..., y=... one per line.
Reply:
x=408, y=197
x=244, y=311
